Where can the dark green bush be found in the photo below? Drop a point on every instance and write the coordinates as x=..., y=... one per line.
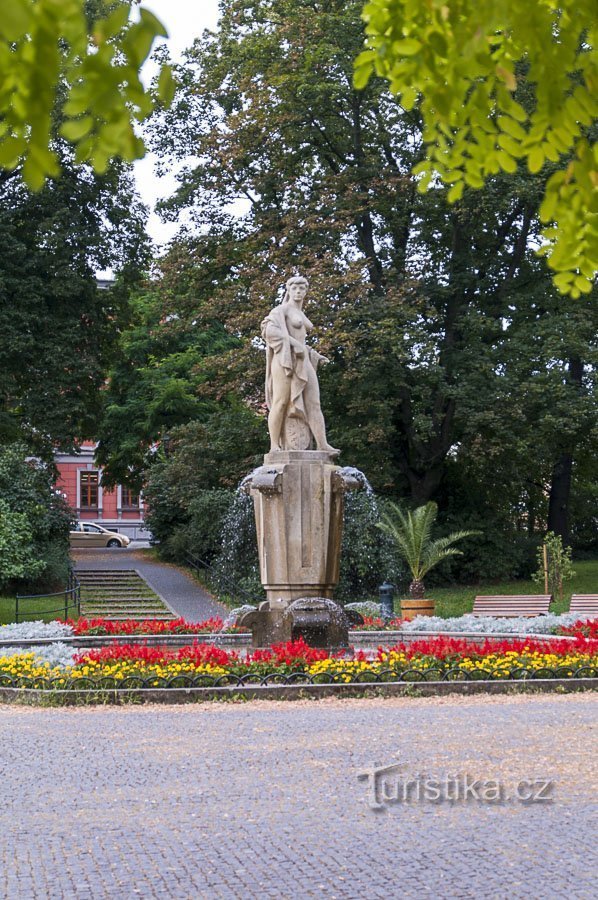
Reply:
x=34, y=526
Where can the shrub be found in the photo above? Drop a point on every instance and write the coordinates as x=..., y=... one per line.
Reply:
x=34, y=524
x=559, y=564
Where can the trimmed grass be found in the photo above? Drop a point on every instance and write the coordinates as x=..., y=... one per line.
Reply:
x=450, y=601
x=457, y=600
x=29, y=610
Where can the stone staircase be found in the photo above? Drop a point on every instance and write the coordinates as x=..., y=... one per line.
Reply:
x=119, y=594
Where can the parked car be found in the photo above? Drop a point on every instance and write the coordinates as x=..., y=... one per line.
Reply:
x=88, y=534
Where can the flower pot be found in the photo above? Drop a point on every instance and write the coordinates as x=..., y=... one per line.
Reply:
x=411, y=608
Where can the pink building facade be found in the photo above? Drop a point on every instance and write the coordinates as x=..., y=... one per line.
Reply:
x=80, y=482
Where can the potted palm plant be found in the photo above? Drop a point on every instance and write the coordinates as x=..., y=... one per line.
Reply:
x=412, y=534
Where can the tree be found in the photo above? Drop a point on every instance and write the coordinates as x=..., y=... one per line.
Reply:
x=435, y=316
x=80, y=59
x=461, y=64
x=412, y=534
x=34, y=521
x=59, y=329
x=164, y=372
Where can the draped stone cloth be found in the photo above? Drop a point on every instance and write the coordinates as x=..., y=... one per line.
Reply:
x=278, y=343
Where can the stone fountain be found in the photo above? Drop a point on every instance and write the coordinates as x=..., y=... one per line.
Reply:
x=297, y=493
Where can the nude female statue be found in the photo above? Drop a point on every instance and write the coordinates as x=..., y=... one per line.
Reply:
x=292, y=390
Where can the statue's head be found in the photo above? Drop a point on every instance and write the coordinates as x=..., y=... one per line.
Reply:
x=296, y=287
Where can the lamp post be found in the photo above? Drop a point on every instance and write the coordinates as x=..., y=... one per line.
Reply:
x=386, y=593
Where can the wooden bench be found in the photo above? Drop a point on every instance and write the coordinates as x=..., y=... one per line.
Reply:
x=512, y=605
x=584, y=605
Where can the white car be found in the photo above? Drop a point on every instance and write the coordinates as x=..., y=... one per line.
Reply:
x=88, y=534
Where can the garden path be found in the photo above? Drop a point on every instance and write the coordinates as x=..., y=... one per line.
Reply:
x=177, y=588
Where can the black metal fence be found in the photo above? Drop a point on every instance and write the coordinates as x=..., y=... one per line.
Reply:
x=70, y=602
x=217, y=581
x=296, y=678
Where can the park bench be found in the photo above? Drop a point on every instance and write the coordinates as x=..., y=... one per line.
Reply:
x=512, y=605
x=584, y=605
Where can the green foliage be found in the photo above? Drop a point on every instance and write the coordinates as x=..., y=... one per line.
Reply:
x=163, y=371
x=367, y=554
x=82, y=59
x=58, y=328
x=34, y=523
x=450, y=348
x=18, y=560
x=411, y=532
x=559, y=564
x=463, y=64
x=187, y=491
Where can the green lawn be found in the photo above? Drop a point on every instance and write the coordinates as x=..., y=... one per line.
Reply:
x=457, y=600
x=450, y=601
x=31, y=609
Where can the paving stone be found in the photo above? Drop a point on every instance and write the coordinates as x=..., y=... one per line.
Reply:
x=262, y=800
x=180, y=590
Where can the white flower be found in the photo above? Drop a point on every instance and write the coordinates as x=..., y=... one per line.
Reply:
x=27, y=631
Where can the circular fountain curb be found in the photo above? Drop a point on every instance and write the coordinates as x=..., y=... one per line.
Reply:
x=177, y=696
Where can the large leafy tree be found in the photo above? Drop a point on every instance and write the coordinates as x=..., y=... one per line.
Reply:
x=414, y=299
x=164, y=370
x=58, y=327
x=464, y=60
x=81, y=60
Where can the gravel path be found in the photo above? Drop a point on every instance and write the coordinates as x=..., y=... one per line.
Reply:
x=178, y=588
x=263, y=800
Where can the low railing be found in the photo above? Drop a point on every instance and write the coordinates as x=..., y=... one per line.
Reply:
x=200, y=565
x=71, y=681
x=71, y=601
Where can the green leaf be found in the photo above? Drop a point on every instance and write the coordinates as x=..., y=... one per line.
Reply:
x=361, y=76
x=506, y=162
x=153, y=23
x=437, y=42
x=535, y=160
x=511, y=127
x=456, y=192
x=563, y=281
x=166, y=85
x=75, y=129
x=11, y=149
x=408, y=98
x=407, y=47
x=15, y=19
x=507, y=143
x=583, y=284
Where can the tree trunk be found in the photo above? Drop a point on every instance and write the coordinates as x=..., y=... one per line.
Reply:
x=417, y=590
x=560, y=492
x=560, y=487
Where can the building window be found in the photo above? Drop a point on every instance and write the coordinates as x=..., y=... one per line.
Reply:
x=129, y=499
x=89, y=482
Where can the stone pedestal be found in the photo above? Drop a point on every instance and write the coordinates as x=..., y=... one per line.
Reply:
x=298, y=502
x=299, y=519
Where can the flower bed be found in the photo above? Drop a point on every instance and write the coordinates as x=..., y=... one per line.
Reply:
x=203, y=665
x=549, y=624
x=180, y=626
x=151, y=626
x=588, y=629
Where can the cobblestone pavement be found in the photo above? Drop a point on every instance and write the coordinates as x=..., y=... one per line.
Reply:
x=262, y=800
x=178, y=588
